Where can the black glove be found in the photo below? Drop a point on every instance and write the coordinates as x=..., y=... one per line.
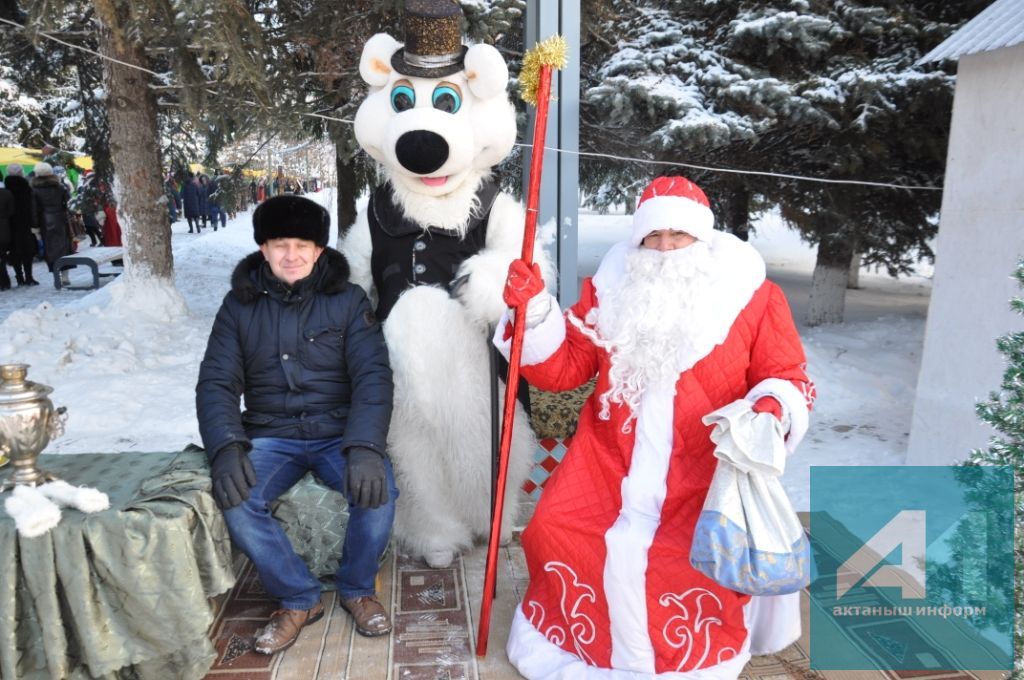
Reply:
x=232, y=475
x=365, y=482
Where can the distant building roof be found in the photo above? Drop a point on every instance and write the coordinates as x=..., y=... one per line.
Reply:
x=1000, y=25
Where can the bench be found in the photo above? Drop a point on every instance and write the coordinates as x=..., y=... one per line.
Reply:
x=91, y=258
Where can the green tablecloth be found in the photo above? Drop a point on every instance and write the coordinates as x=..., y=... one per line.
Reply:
x=120, y=593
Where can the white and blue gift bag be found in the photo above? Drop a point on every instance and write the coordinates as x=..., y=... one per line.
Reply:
x=747, y=537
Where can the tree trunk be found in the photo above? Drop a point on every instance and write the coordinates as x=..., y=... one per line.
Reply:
x=348, y=185
x=142, y=206
x=853, y=282
x=737, y=218
x=828, y=285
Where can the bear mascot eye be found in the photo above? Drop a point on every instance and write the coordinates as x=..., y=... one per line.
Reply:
x=447, y=98
x=403, y=98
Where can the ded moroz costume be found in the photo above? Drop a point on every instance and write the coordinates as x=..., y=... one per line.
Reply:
x=671, y=336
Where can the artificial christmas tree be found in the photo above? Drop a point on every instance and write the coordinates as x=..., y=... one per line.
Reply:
x=1004, y=410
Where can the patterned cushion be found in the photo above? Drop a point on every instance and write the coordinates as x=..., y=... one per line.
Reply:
x=555, y=414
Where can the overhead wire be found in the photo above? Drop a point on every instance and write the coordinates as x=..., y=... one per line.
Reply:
x=585, y=154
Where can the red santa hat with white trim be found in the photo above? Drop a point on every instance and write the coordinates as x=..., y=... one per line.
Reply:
x=673, y=203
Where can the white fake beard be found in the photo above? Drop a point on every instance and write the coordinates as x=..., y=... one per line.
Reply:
x=653, y=321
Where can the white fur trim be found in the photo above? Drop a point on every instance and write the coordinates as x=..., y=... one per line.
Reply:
x=34, y=514
x=793, y=404
x=81, y=498
x=630, y=537
x=773, y=622
x=738, y=272
x=486, y=71
x=612, y=267
x=375, y=61
x=673, y=212
x=539, y=342
x=537, y=658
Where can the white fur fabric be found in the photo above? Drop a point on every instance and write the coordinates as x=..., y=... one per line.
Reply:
x=440, y=436
x=34, y=514
x=81, y=498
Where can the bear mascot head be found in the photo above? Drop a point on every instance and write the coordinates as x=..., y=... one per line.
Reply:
x=437, y=115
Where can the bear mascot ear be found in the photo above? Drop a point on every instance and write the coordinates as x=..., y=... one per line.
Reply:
x=375, y=62
x=486, y=71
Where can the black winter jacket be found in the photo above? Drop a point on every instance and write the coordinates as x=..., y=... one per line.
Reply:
x=310, y=360
x=23, y=242
x=51, y=215
x=6, y=213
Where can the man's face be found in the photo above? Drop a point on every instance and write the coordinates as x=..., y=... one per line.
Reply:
x=291, y=259
x=667, y=239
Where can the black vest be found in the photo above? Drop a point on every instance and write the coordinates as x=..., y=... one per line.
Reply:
x=406, y=255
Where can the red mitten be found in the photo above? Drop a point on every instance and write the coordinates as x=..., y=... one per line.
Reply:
x=769, y=405
x=524, y=281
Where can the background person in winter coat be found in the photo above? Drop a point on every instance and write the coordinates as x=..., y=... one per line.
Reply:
x=93, y=194
x=50, y=198
x=301, y=343
x=111, y=226
x=678, y=322
x=6, y=213
x=191, y=202
x=173, y=198
x=217, y=192
x=23, y=241
x=204, y=198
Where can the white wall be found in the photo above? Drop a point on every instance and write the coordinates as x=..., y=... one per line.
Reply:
x=981, y=237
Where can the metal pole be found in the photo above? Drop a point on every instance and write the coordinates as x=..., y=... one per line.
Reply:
x=559, y=197
x=568, y=167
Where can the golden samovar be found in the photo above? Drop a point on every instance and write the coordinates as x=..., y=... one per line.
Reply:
x=28, y=421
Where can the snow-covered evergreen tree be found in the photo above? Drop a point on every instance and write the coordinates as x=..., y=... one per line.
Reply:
x=809, y=87
x=21, y=115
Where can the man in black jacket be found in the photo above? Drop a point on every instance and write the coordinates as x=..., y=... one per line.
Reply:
x=23, y=241
x=303, y=346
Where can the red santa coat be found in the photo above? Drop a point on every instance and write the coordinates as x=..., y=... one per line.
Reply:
x=611, y=589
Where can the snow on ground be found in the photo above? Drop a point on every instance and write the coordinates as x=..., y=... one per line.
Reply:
x=124, y=361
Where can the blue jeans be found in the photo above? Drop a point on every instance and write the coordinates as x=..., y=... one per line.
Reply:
x=279, y=464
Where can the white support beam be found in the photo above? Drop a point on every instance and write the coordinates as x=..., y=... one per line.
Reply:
x=559, y=194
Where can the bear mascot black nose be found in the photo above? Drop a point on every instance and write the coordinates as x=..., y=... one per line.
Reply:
x=421, y=151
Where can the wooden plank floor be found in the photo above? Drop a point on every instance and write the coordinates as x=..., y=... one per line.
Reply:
x=436, y=615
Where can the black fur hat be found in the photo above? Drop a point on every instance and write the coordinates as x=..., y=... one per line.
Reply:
x=288, y=216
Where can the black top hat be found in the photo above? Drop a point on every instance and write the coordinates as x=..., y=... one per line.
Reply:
x=433, y=39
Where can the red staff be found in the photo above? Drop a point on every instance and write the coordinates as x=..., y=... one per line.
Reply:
x=535, y=83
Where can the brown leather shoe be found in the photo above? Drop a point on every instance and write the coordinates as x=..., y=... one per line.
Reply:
x=282, y=630
x=369, y=615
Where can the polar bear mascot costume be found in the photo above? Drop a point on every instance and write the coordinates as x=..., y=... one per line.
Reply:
x=432, y=249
